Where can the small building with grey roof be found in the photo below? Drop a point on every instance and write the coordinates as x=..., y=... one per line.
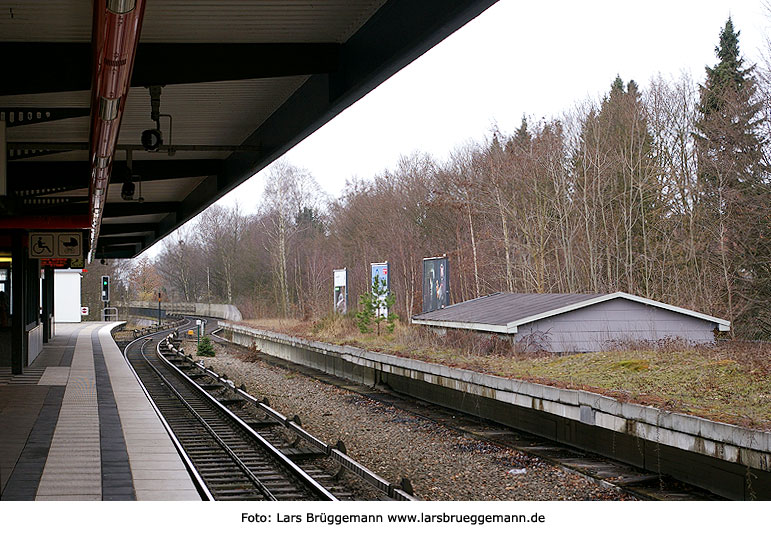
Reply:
x=576, y=322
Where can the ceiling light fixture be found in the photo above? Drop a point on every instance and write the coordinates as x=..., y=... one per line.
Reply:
x=152, y=140
x=108, y=108
x=121, y=7
x=127, y=190
x=115, y=34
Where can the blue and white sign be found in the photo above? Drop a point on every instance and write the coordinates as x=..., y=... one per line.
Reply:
x=380, y=270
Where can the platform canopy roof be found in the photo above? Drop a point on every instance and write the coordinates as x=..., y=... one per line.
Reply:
x=243, y=82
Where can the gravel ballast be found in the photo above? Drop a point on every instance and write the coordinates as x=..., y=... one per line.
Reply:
x=441, y=463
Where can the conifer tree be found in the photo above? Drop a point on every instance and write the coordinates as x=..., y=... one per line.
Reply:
x=735, y=184
x=522, y=137
x=617, y=185
x=205, y=348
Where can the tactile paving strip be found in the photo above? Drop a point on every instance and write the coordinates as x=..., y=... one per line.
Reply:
x=116, y=472
x=156, y=468
x=73, y=467
x=55, y=375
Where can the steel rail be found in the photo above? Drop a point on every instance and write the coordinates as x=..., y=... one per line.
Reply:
x=338, y=455
x=392, y=490
x=307, y=480
x=233, y=455
x=604, y=471
x=196, y=478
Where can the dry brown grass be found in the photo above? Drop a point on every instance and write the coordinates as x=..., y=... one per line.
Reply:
x=288, y=326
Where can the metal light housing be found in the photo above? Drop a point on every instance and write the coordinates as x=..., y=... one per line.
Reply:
x=152, y=140
x=121, y=7
x=127, y=190
x=108, y=108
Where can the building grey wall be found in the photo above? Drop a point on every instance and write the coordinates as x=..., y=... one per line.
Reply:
x=600, y=326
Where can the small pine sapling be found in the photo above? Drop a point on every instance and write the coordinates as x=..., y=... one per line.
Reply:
x=376, y=307
x=392, y=316
x=366, y=314
x=205, y=348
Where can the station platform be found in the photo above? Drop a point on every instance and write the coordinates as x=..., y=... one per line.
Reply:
x=78, y=426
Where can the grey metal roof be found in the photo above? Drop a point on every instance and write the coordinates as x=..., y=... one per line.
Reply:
x=502, y=308
x=503, y=312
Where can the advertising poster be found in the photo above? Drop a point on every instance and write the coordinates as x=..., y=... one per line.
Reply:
x=381, y=271
x=341, y=290
x=436, y=283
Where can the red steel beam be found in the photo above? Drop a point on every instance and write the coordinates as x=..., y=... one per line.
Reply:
x=115, y=35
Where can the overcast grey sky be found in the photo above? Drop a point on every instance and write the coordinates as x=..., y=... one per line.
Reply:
x=537, y=58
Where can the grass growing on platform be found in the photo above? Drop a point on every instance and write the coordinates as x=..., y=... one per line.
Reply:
x=730, y=382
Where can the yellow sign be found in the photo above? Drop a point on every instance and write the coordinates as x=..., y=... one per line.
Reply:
x=52, y=245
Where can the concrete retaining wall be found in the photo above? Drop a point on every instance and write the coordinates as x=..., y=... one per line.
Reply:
x=151, y=314
x=223, y=311
x=732, y=461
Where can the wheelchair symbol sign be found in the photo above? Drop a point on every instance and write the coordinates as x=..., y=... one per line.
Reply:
x=41, y=245
x=58, y=245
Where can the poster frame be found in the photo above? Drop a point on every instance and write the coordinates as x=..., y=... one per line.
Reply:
x=337, y=308
x=443, y=299
x=373, y=270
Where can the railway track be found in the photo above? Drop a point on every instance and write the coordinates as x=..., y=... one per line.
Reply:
x=236, y=447
x=604, y=471
x=641, y=484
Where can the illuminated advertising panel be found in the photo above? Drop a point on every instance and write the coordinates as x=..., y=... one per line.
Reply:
x=341, y=290
x=380, y=270
x=436, y=283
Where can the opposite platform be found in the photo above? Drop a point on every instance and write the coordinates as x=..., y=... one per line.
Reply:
x=78, y=426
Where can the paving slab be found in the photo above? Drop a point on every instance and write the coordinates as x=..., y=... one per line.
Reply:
x=76, y=425
x=142, y=429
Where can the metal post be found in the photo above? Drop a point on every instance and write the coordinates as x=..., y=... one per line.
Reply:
x=208, y=288
x=33, y=301
x=3, y=163
x=48, y=285
x=18, y=286
x=159, y=308
x=52, y=304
